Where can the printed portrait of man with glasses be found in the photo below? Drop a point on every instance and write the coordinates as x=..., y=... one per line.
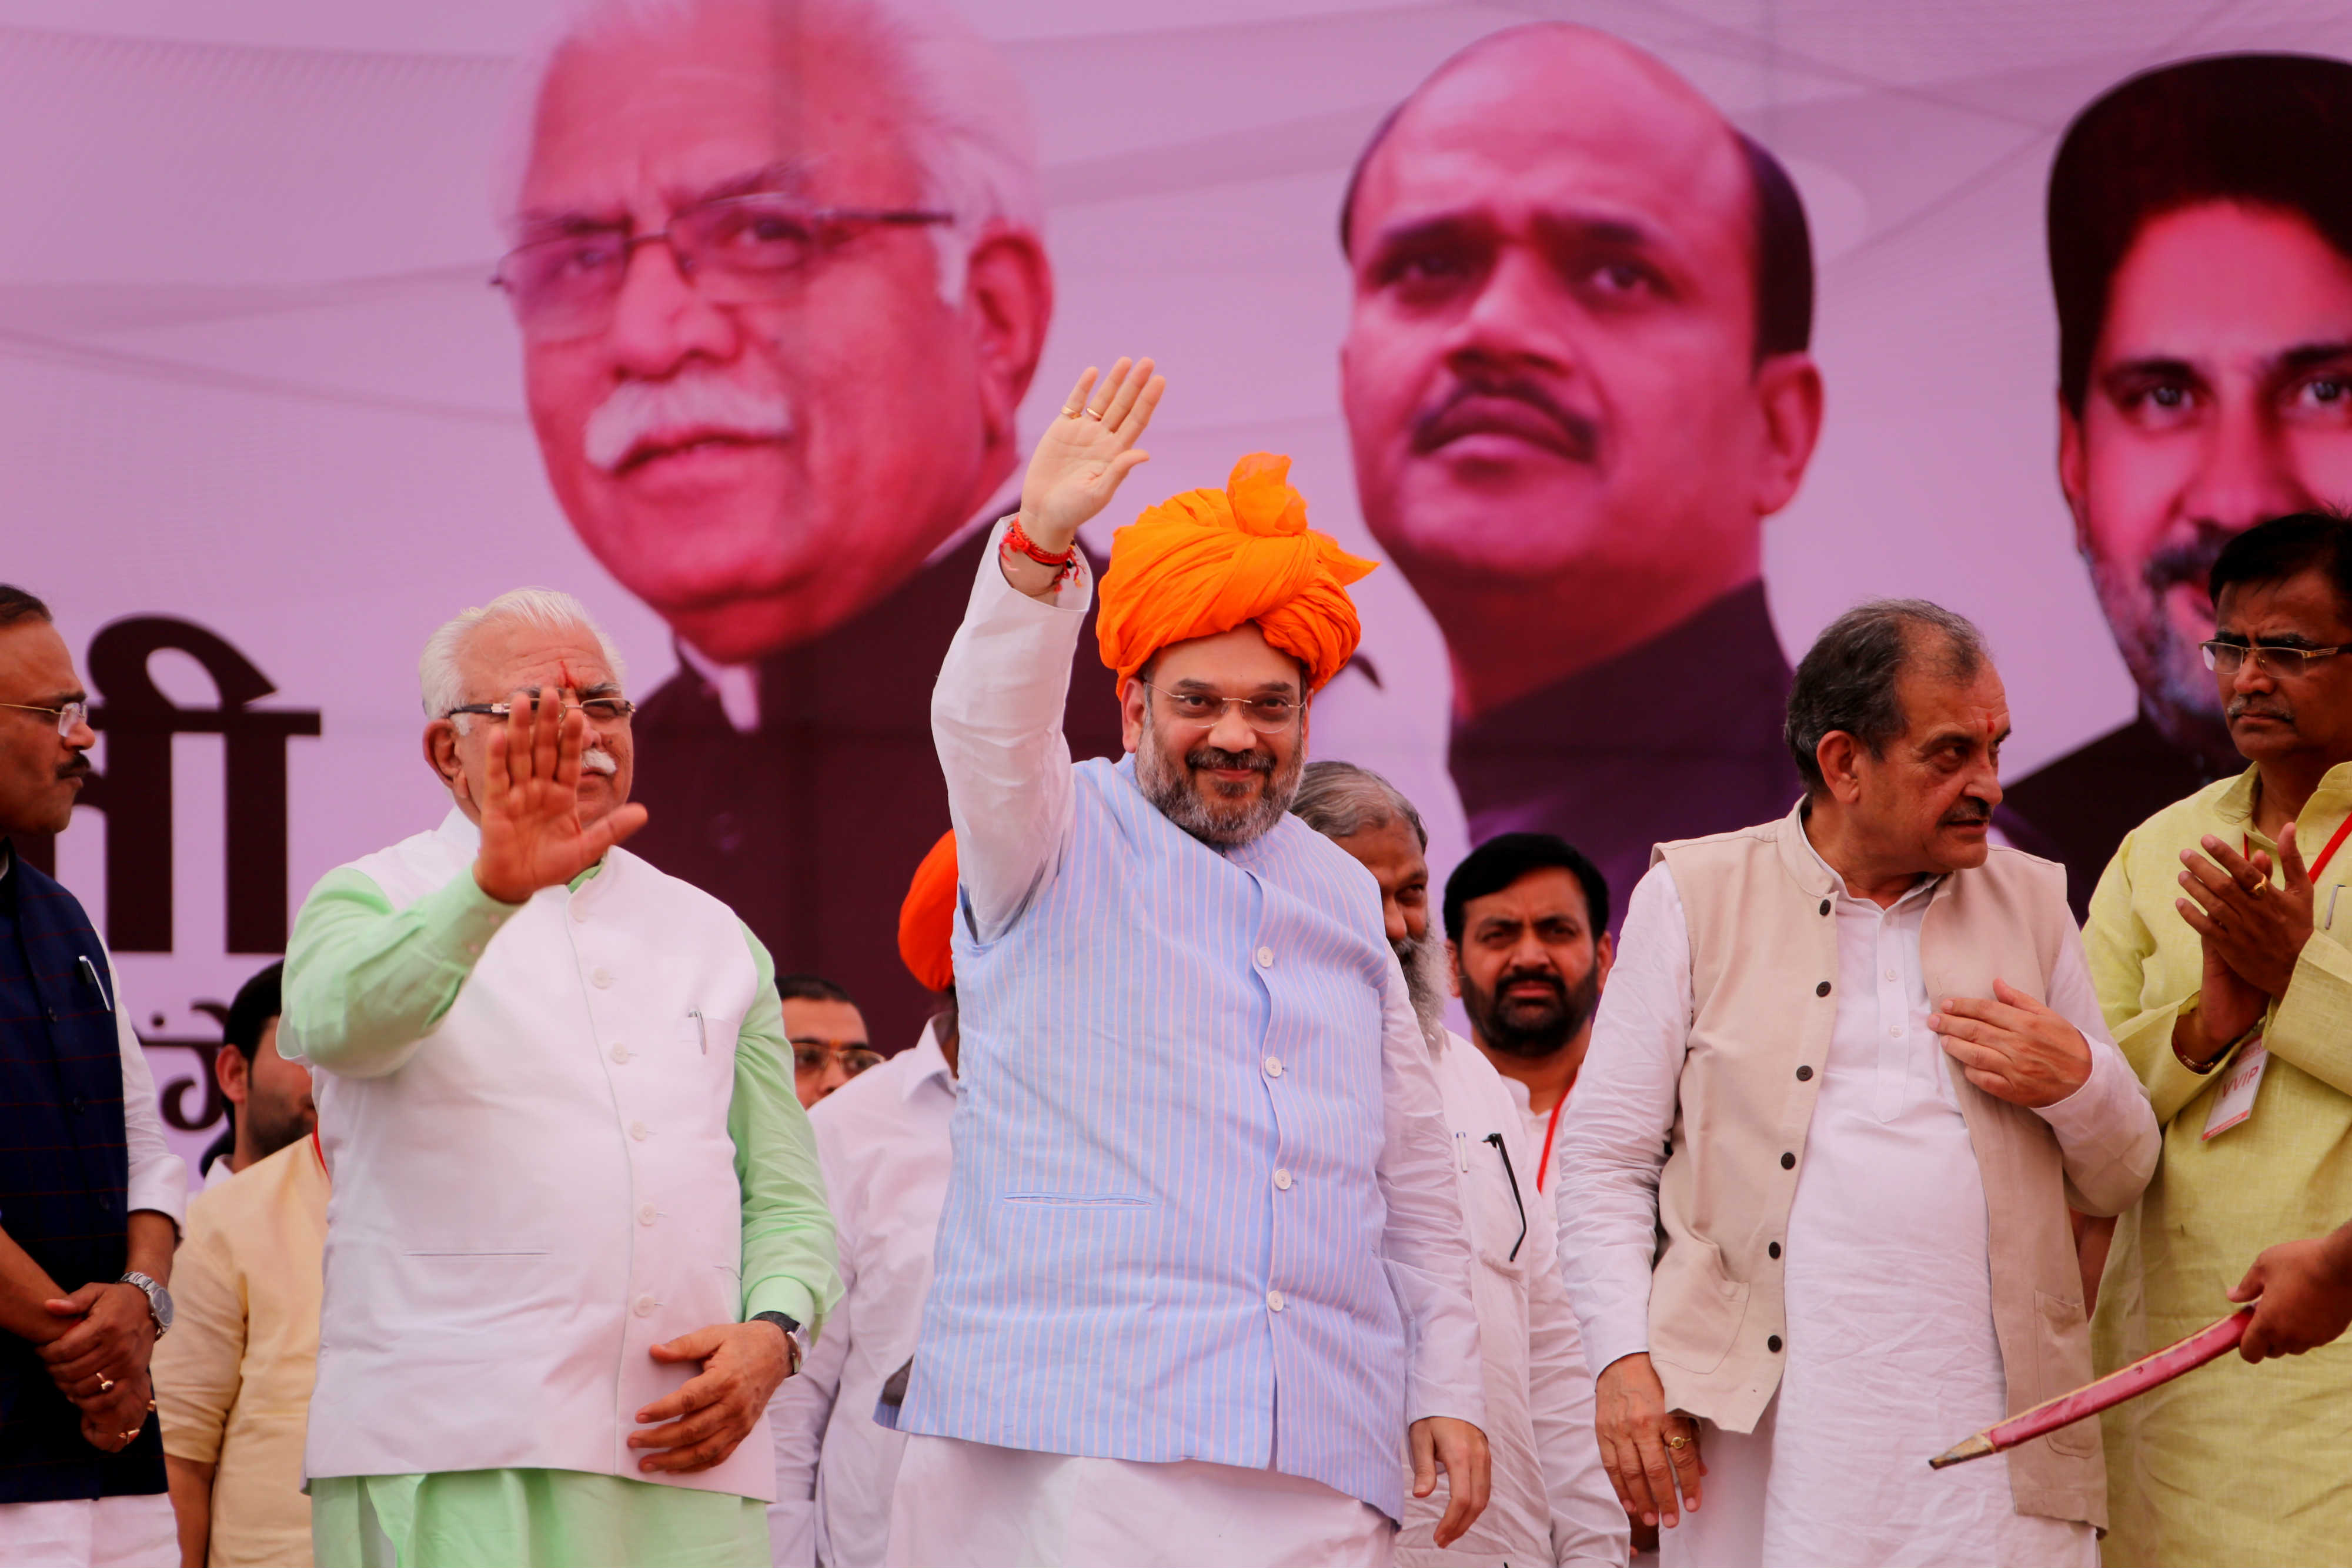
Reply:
x=778, y=279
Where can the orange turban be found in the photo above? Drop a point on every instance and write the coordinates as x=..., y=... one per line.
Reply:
x=1207, y=560
x=927, y=920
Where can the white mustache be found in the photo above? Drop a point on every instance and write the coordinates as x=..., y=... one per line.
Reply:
x=695, y=400
x=596, y=759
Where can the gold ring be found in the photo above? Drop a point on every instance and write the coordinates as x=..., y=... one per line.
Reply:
x=2257, y=890
x=1678, y=1442
x=105, y=1383
x=1070, y=411
x=1094, y=414
x=132, y=1433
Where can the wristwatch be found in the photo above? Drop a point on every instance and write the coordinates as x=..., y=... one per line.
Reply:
x=795, y=1337
x=159, y=1300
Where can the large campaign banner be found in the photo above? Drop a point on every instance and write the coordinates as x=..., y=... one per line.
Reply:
x=1636, y=340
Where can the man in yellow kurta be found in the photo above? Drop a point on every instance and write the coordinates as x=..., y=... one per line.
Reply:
x=2234, y=1005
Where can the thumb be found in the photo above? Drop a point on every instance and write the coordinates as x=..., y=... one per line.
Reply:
x=77, y=1304
x=2291, y=858
x=699, y=1345
x=2010, y=996
x=1127, y=462
x=1424, y=1461
x=2247, y=1289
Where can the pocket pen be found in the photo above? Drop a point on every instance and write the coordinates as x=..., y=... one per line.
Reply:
x=100, y=986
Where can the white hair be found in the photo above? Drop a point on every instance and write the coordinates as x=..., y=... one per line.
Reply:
x=439, y=668
x=965, y=115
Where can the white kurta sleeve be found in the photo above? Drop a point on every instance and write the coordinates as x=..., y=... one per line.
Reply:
x=159, y=1179
x=996, y=717
x=2106, y=1130
x=1426, y=1246
x=1589, y=1528
x=1612, y=1137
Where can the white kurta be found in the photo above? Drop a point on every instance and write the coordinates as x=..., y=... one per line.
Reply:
x=882, y=1140
x=1550, y=1501
x=1892, y=1355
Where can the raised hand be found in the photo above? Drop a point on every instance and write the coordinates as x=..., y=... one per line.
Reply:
x=533, y=836
x=1087, y=451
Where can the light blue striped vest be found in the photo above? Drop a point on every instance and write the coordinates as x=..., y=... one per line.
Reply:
x=1170, y=1120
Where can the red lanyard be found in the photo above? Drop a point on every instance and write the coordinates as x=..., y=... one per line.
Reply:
x=2327, y=854
x=1552, y=1126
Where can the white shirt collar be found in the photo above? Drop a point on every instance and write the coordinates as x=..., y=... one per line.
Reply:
x=1925, y=887
x=928, y=1061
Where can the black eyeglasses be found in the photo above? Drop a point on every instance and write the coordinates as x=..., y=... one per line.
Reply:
x=738, y=250
x=811, y=1053
x=2226, y=656
x=600, y=710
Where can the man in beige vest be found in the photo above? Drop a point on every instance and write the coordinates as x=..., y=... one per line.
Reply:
x=1851, y=1066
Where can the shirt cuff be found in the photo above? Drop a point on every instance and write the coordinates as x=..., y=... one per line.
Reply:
x=995, y=597
x=460, y=919
x=1611, y=1338
x=160, y=1184
x=2099, y=1110
x=780, y=1293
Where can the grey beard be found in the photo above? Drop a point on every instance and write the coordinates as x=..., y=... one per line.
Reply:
x=1220, y=824
x=1425, y=980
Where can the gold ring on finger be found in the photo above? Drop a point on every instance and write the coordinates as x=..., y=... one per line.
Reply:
x=1094, y=414
x=1072, y=412
x=2258, y=890
x=105, y=1383
x=1678, y=1442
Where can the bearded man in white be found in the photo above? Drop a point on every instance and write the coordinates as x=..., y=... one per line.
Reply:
x=1851, y=1065
x=577, y=1232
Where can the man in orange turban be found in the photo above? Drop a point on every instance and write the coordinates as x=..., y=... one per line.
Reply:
x=1201, y=1175
x=927, y=920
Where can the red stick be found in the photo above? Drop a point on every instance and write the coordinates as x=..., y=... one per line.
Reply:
x=2162, y=1366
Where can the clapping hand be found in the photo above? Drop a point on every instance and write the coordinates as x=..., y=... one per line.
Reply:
x=2256, y=929
x=532, y=833
x=1087, y=452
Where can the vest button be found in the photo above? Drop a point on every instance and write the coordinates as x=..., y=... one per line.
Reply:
x=1773, y=1343
x=579, y=912
x=645, y=1305
x=1773, y=1251
x=639, y=1131
x=1274, y=1301
x=1265, y=958
x=1274, y=1067
x=1825, y=906
x=647, y=1214
x=1804, y=1074
x=1822, y=989
x=1787, y=1162
x=620, y=1052
x=600, y=977
x=1282, y=1180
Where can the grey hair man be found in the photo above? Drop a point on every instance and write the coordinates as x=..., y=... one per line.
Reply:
x=578, y=1230
x=777, y=271
x=1551, y=1500
x=1851, y=1064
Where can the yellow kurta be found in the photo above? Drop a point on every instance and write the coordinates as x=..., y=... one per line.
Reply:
x=2232, y=1463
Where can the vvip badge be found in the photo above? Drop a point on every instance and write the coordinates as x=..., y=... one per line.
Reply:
x=2235, y=1103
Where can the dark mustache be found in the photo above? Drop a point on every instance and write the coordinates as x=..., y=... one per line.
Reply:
x=1203, y=757
x=1975, y=815
x=1520, y=976
x=1579, y=434
x=78, y=767
x=2189, y=561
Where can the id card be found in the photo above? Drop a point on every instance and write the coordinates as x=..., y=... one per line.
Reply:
x=2235, y=1103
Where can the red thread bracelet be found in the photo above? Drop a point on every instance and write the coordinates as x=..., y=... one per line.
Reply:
x=1016, y=538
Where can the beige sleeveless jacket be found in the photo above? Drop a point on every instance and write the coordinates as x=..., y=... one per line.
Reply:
x=1764, y=960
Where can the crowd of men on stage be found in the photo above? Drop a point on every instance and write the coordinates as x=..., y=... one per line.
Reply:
x=553, y=1225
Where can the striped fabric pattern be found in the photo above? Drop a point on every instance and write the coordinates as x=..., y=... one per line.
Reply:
x=1162, y=1236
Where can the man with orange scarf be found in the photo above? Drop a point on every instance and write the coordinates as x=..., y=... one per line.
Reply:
x=1202, y=1262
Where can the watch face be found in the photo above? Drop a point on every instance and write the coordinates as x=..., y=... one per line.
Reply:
x=162, y=1302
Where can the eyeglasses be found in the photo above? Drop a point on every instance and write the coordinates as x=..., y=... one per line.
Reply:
x=2225, y=656
x=69, y=718
x=812, y=1055
x=738, y=250
x=600, y=710
x=1267, y=716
